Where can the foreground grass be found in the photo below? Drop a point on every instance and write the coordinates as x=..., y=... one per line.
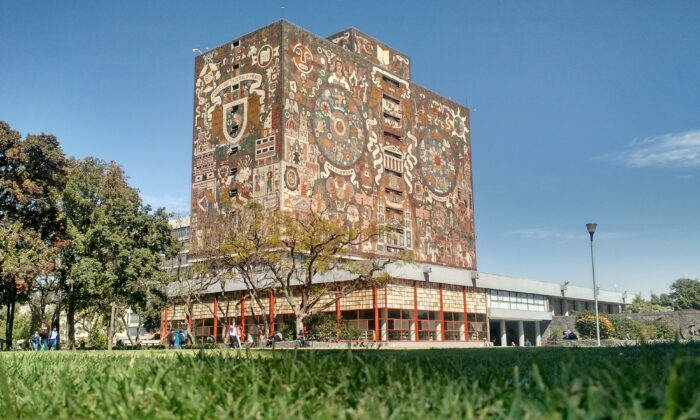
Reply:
x=633, y=382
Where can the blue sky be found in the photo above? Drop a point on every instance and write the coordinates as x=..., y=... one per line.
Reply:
x=581, y=111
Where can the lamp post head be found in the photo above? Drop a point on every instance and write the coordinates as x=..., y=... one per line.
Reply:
x=591, y=229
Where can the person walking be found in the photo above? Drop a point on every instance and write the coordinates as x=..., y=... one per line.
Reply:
x=53, y=340
x=176, y=340
x=235, y=335
x=44, y=336
x=36, y=341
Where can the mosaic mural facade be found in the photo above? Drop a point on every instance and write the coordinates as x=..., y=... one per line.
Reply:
x=282, y=115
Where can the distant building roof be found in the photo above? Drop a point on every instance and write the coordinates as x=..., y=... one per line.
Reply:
x=179, y=222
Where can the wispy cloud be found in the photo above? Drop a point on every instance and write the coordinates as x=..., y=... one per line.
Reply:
x=685, y=177
x=674, y=150
x=173, y=204
x=539, y=233
x=558, y=235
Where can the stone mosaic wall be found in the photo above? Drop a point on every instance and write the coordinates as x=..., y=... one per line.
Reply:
x=375, y=52
x=237, y=134
x=282, y=116
x=378, y=148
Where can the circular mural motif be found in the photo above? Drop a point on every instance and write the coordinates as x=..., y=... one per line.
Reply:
x=291, y=178
x=437, y=163
x=338, y=126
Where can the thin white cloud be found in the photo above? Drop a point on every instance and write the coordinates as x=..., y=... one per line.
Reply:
x=172, y=204
x=551, y=234
x=539, y=233
x=673, y=150
x=685, y=177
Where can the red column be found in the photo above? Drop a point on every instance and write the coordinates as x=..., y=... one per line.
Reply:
x=216, y=318
x=228, y=322
x=243, y=317
x=386, y=313
x=375, y=298
x=466, y=324
x=272, y=313
x=442, y=317
x=164, y=330
x=415, y=308
x=337, y=309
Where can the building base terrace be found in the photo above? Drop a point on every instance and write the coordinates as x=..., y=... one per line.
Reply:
x=415, y=306
x=422, y=305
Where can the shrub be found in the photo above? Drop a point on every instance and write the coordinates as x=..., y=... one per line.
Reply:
x=664, y=331
x=97, y=339
x=349, y=332
x=287, y=328
x=625, y=328
x=322, y=327
x=585, y=325
x=630, y=329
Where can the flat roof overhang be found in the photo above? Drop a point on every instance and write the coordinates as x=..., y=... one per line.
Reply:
x=497, y=314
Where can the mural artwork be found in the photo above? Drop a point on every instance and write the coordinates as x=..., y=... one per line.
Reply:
x=282, y=116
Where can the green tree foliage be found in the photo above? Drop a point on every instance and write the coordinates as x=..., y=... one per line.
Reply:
x=641, y=330
x=685, y=294
x=31, y=227
x=655, y=304
x=586, y=326
x=116, y=243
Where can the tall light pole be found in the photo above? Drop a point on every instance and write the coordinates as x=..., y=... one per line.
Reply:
x=591, y=230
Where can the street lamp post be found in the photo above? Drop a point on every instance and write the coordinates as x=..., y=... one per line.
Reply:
x=591, y=230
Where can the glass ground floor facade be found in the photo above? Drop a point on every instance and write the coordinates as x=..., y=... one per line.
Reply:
x=400, y=310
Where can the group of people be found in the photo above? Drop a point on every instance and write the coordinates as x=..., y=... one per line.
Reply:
x=176, y=338
x=236, y=337
x=44, y=340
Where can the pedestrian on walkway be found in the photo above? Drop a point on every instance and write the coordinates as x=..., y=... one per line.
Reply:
x=44, y=336
x=36, y=341
x=177, y=338
x=53, y=340
x=234, y=335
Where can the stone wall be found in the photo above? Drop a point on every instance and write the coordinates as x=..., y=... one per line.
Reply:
x=687, y=323
x=282, y=116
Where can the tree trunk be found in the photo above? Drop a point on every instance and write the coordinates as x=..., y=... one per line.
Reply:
x=138, y=332
x=188, y=323
x=128, y=334
x=299, y=325
x=70, y=320
x=56, y=320
x=110, y=332
x=10, y=324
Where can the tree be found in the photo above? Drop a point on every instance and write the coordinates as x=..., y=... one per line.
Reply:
x=315, y=259
x=655, y=304
x=23, y=256
x=116, y=242
x=31, y=226
x=295, y=255
x=685, y=294
x=238, y=244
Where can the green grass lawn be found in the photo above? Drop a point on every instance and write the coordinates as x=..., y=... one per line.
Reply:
x=631, y=382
